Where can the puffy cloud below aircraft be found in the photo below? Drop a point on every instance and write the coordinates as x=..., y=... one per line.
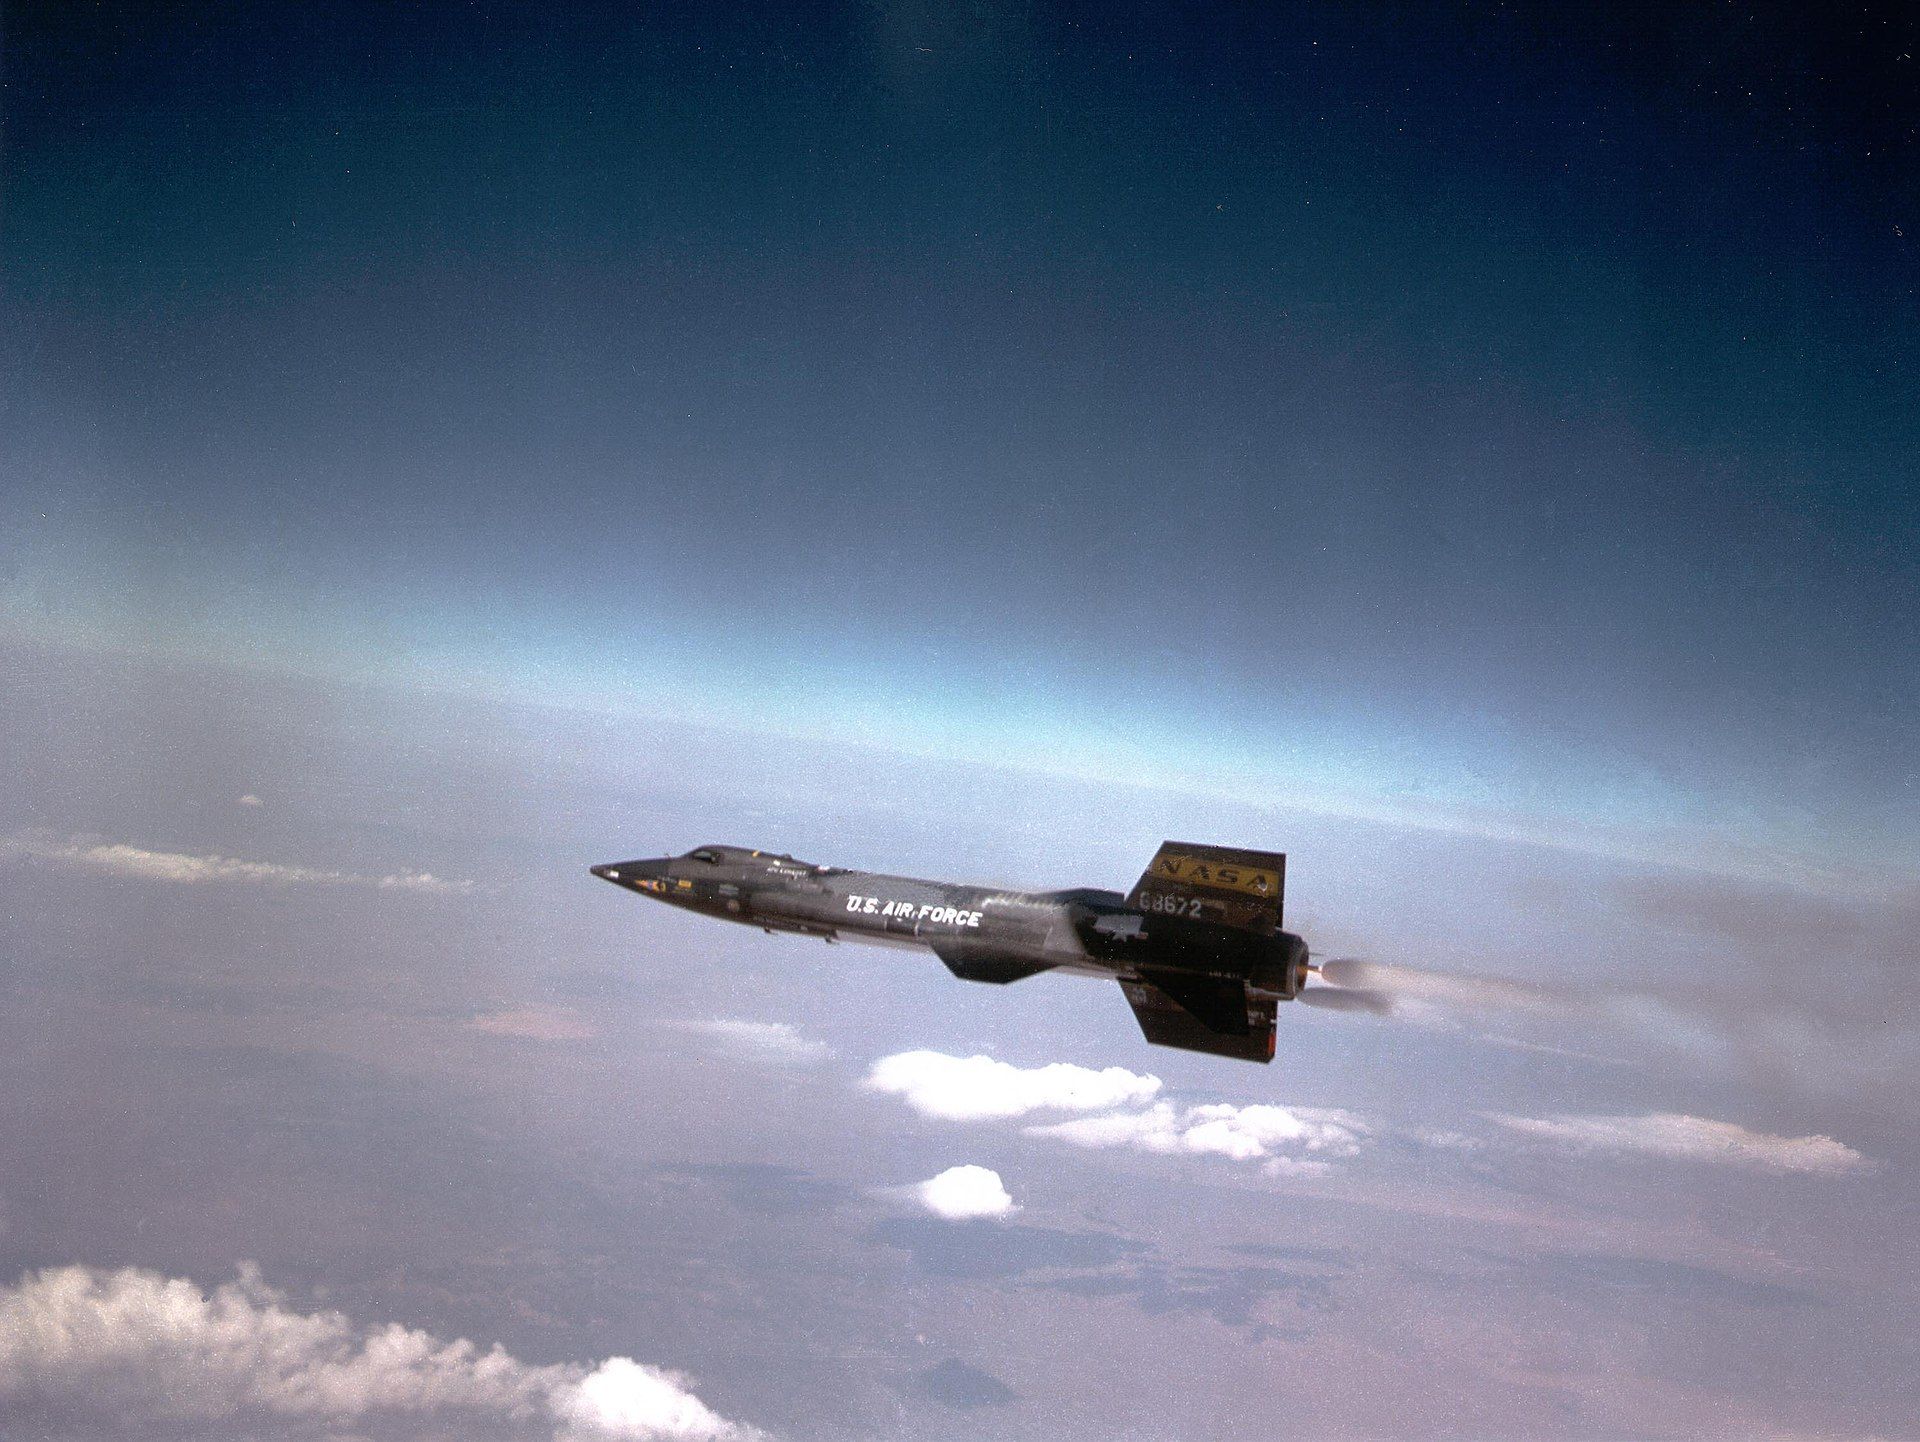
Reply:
x=979, y=1088
x=966, y=1193
x=1295, y=1141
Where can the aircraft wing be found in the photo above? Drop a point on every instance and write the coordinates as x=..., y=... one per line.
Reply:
x=1202, y=1013
x=972, y=961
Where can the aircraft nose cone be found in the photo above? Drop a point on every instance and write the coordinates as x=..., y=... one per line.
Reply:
x=644, y=875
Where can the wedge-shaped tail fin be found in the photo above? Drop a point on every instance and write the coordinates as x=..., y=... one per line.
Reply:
x=1217, y=885
x=1203, y=1013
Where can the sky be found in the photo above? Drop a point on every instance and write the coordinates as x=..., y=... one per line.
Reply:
x=441, y=448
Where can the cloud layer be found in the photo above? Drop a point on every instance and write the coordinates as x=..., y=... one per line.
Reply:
x=1121, y=1111
x=137, y=1352
x=1699, y=1139
x=120, y=859
x=964, y=1193
x=978, y=1088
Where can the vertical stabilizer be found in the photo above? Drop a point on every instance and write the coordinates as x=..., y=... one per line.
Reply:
x=1217, y=885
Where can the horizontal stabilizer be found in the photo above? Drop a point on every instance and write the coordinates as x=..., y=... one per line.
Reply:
x=1214, y=885
x=1200, y=1013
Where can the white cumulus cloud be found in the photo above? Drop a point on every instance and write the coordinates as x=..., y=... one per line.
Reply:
x=1297, y=1141
x=963, y=1193
x=133, y=1351
x=621, y=1398
x=979, y=1088
x=120, y=859
x=1701, y=1139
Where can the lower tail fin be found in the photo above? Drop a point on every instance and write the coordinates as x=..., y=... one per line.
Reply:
x=1210, y=1014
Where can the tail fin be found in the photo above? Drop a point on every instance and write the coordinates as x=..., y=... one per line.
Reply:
x=1219, y=885
x=1203, y=1014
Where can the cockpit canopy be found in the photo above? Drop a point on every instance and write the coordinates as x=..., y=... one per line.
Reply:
x=741, y=856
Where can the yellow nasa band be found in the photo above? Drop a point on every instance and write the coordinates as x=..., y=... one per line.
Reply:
x=1217, y=875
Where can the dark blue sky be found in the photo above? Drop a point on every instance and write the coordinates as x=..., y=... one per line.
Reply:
x=1502, y=421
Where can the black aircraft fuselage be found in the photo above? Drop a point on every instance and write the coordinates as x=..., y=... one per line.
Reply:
x=1196, y=945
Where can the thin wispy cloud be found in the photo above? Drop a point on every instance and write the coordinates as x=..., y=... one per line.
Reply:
x=536, y=1023
x=139, y=863
x=86, y=1350
x=977, y=1088
x=773, y=1041
x=1697, y=1139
